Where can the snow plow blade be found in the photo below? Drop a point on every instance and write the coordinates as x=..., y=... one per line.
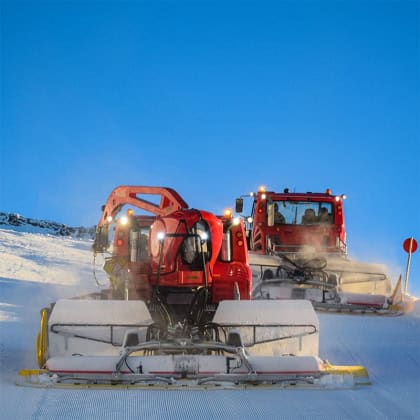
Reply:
x=331, y=283
x=247, y=344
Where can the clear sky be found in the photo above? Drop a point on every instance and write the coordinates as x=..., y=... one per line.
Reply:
x=213, y=99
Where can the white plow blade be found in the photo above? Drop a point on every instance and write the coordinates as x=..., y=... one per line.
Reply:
x=360, y=277
x=272, y=327
x=81, y=327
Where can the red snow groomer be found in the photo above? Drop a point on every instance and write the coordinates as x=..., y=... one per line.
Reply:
x=298, y=250
x=294, y=222
x=175, y=254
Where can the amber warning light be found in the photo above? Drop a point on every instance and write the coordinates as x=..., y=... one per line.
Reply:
x=228, y=213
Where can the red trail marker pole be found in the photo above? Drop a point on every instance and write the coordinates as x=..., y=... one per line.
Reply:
x=410, y=246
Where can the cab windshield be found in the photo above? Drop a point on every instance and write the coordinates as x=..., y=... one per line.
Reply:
x=299, y=213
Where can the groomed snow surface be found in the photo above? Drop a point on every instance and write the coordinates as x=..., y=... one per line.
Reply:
x=36, y=269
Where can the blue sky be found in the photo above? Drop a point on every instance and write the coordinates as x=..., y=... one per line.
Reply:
x=214, y=98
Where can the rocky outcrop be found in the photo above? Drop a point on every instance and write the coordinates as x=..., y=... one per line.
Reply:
x=17, y=222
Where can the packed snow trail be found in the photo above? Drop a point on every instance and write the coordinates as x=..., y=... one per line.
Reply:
x=388, y=346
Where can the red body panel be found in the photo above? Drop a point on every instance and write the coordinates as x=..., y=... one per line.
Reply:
x=220, y=275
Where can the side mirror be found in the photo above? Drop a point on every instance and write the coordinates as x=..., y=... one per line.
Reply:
x=239, y=205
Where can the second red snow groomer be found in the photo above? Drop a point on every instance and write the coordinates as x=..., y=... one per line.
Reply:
x=298, y=250
x=292, y=222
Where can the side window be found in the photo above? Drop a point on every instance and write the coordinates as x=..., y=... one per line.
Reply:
x=139, y=244
x=144, y=243
x=270, y=214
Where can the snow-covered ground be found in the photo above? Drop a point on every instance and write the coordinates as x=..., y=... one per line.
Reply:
x=36, y=269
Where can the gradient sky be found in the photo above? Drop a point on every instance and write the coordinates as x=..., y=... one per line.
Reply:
x=213, y=99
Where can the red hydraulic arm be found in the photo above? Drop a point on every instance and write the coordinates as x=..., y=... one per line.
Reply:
x=170, y=201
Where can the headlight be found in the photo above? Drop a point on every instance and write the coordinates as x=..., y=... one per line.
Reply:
x=204, y=236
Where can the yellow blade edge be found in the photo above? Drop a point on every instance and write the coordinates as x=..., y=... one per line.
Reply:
x=31, y=372
x=359, y=373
